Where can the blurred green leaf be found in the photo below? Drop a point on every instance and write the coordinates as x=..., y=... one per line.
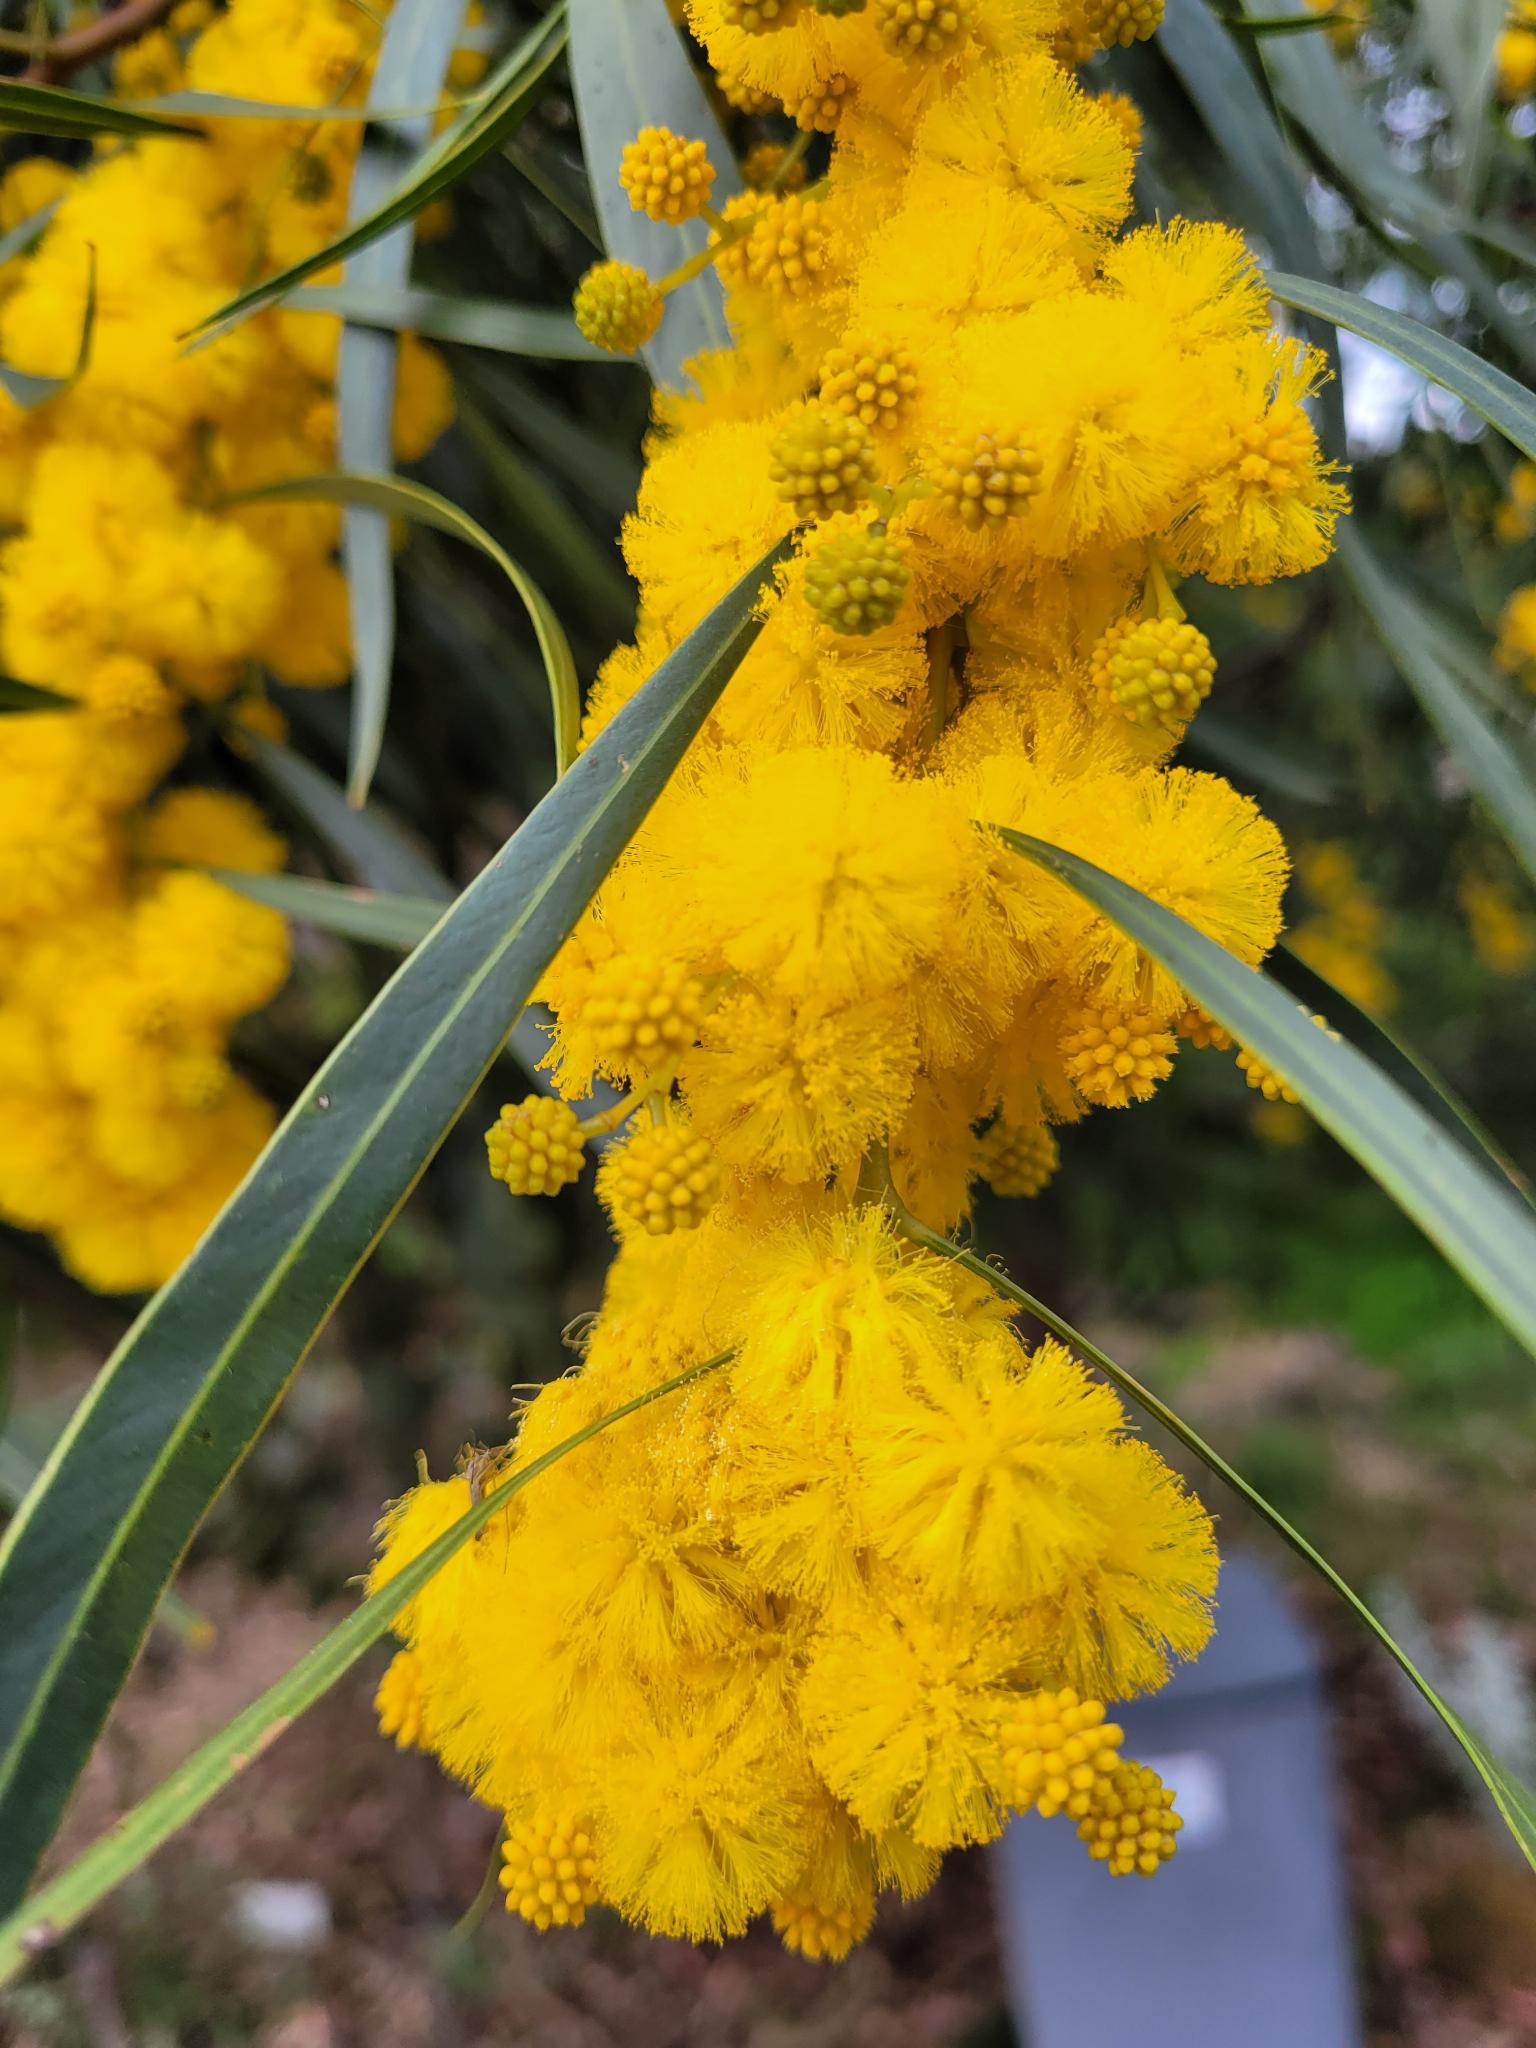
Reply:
x=630, y=70
x=1311, y=87
x=473, y=323
x=1484, y=1232
x=487, y=121
x=1422, y=655
x=28, y=391
x=1290, y=24
x=368, y=914
x=26, y=232
x=414, y=53
x=365, y=842
x=594, y=571
x=194, y=1382
x=1489, y=392
x=31, y=109
x=19, y=696
x=399, y=498
x=189, y=1788
x=1513, y=1799
x=1259, y=758
x=1461, y=38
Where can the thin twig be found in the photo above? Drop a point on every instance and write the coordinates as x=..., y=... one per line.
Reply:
x=98, y=38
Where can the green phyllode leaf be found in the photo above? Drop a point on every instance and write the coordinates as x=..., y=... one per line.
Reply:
x=197, y=1377
x=398, y=497
x=368, y=914
x=1418, y=647
x=493, y=324
x=29, y=109
x=1484, y=1230
x=414, y=52
x=1498, y=399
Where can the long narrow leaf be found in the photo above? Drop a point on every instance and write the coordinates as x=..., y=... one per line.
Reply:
x=510, y=92
x=193, y=1383
x=54, y=110
x=398, y=497
x=1496, y=398
x=1485, y=1233
x=1410, y=634
x=1402, y=1062
x=629, y=69
x=1515, y=1801
x=417, y=45
x=16, y=695
x=133, y=1840
x=381, y=920
x=441, y=316
x=364, y=843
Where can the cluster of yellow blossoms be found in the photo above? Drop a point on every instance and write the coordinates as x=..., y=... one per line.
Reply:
x=129, y=586
x=854, y=1597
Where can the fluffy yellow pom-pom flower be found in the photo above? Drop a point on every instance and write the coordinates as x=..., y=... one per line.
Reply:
x=536, y=1146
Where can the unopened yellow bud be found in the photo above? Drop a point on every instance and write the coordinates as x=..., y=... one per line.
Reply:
x=874, y=380
x=757, y=17
x=923, y=28
x=617, y=307
x=1116, y=1057
x=1058, y=1752
x=856, y=582
x=664, y=1179
x=986, y=479
x=666, y=176
x=536, y=1146
x=1157, y=671
x=823, y=462
x=549, y=1870
x=1017, y=1159
x=1131, y=1825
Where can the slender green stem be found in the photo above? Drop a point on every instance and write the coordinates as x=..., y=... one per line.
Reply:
x=469, y=1922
